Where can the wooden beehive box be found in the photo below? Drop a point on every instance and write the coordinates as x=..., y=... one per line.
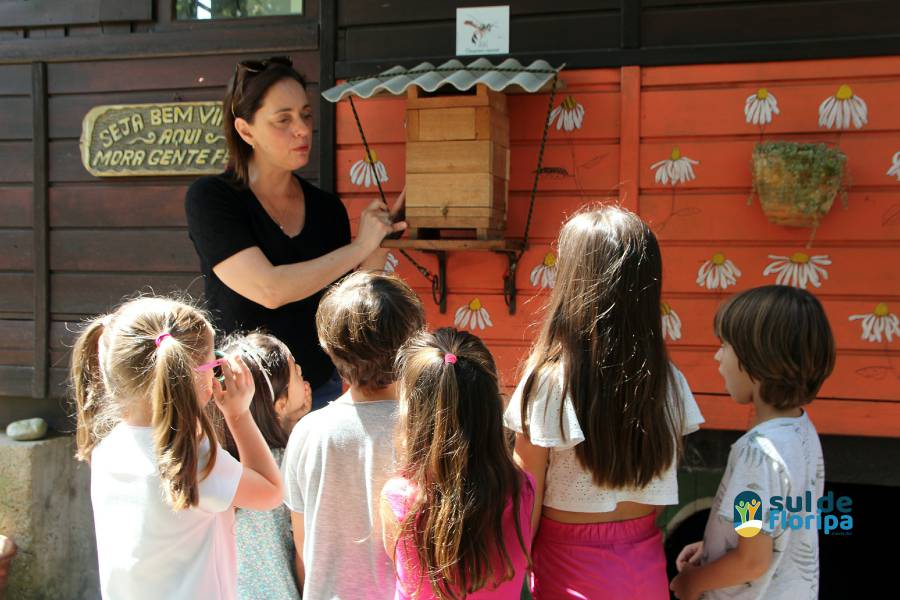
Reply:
x=457, y=163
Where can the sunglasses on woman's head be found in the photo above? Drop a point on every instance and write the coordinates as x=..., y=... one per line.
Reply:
x=215, y=366
x=248, y=68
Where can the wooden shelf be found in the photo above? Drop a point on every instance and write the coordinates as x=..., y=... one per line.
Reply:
x=444, y=245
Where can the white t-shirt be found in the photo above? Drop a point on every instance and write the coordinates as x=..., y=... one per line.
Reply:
x=568, y=485
x=148, y=551
x=336, y=462
x=778, y=457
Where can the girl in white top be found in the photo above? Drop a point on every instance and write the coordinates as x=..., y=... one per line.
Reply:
x=600, y=414
x=162, y=488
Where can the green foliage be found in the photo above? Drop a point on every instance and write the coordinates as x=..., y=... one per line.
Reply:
x=806, y=176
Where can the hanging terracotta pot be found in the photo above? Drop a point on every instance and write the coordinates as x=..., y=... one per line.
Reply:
x=797, y=183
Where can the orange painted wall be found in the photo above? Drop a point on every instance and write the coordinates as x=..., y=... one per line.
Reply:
x=633, y=118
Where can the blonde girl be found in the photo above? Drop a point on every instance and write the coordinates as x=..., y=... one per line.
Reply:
x=162, y=488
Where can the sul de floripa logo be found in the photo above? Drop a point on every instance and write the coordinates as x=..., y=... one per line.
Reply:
x=827, y=514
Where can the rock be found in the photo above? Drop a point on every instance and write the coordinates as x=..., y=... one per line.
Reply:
x=27, y=429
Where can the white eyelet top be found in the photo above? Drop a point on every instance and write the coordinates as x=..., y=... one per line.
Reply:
x=568, y=485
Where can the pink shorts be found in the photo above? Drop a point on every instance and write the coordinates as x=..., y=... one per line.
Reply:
x=622, y=560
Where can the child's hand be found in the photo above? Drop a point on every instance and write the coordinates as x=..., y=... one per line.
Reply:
x=690, y=554
x=234, y=400
x=681, y=586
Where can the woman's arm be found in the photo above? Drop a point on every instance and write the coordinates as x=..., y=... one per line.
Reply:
x=533, y=459
x=299, y=534
x=250, y=274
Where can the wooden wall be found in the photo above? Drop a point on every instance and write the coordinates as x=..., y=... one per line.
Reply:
x=633, y=118
x=72, y=245
x=373, y=36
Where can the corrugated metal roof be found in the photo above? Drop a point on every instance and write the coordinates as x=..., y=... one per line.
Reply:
x=453, y=72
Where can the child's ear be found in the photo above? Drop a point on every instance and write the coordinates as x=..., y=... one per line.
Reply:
x=281, y=405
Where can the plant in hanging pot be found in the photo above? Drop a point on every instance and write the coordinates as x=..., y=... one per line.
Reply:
x=797, y=183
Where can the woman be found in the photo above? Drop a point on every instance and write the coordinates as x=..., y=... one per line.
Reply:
x=270, y=242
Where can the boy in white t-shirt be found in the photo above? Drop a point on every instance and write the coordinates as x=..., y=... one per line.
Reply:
x=339, y=457
x=777, y=350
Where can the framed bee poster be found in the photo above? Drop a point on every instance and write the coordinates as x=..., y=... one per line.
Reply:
x=482, y=30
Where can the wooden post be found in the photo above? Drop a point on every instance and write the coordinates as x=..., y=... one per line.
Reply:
x=41, y=231
x=630, y=138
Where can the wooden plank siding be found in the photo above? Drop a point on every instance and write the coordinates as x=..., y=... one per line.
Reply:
x=633, y=119
x=106, y=239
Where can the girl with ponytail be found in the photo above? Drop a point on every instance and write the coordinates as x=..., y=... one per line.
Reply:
x=457, y=519
x=162, y=488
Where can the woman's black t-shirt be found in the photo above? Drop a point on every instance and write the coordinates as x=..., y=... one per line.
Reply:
x=224, y=218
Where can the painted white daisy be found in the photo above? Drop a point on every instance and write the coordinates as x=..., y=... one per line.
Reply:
x=798, y=269
x=569, y=115
x=671, y=323
x=895, y=166
x=473, y=315
x=842, y=110
x=759, y=107
x=390, y=263
x=717, y=272
x=364, y=171
x=879, y=322
x=676, y=169
x=544, y=275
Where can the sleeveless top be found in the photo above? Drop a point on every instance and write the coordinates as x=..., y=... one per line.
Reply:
x=568, y=485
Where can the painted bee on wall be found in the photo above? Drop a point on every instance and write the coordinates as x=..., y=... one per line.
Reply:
x=480, y=30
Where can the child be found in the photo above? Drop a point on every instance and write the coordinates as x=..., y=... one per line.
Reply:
x=339, y=457
x=600, y=414
x=777, y=350
x=265, y=547
x=457, y=520
x=161, y=487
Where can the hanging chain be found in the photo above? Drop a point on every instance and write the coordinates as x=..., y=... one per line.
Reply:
x=540, y=162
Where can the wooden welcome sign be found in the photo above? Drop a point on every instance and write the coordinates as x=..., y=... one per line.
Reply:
x=175, y=138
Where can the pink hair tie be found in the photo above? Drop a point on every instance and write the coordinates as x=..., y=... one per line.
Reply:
x=161, y=338
x=449, y=359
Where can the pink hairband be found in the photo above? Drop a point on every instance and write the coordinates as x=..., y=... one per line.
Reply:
x=161, y=338
x=449, y=359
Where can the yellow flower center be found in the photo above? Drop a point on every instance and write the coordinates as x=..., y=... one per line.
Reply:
x=844, y=93
x=799, y=258
x=881, y=310
x=762, y=94
x=664, y=308
x=676, y=153
x=569, y=103
x=475, y=305
x=550, y=260
x=372, y=158
x=718, y=259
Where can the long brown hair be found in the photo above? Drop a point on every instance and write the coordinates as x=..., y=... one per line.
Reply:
x=246, y=91
x=603, y=331
x=456, y=455
x=116, y=360
x=268, y=360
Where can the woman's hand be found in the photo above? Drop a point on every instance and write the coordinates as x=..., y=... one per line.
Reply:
x=374, y=224
x=234, y=400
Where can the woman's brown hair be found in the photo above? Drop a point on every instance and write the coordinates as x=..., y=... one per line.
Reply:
x=603, y=333
x=455, y=453
x=782, y=339
x=246, y=91
x=116, y=361
x=268, y=360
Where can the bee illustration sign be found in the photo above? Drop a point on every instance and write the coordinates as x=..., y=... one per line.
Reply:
x=482, y=30
x=175, y=138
